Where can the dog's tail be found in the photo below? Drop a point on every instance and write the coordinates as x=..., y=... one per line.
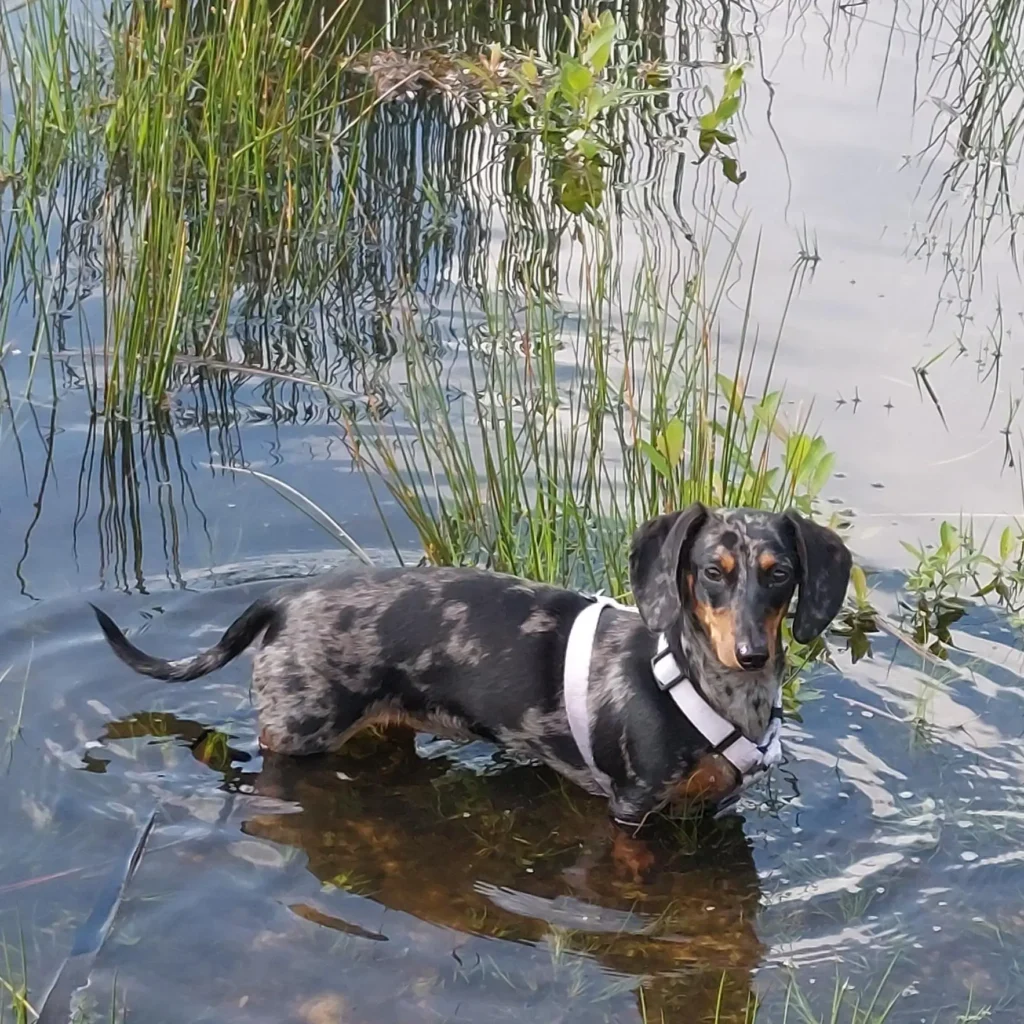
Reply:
x=257, y=617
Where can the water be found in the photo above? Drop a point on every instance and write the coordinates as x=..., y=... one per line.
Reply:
x=439, y=883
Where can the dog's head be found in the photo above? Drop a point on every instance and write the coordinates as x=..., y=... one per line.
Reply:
x=735, y=572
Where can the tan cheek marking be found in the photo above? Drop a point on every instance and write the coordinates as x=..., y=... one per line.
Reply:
x=720, y=627
x=726, y=560
x=772, y=622
x=766, y=561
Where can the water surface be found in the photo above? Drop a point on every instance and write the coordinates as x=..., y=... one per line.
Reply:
x=440, y=883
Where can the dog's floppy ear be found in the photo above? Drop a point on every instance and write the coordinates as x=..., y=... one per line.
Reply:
x=654, y=556
x=824, y=573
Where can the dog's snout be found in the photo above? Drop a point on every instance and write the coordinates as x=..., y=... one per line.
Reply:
x=751, y=657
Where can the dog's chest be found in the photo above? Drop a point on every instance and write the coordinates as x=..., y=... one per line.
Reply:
x=743, y=698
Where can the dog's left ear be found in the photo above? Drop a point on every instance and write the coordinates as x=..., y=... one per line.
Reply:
x=657, y=548
x=824, y=574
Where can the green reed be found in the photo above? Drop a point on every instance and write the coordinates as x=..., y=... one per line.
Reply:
x=841, y=1003
x=212, y=139
x=546, y=473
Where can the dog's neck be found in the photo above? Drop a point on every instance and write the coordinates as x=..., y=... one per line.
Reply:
x=743, y=698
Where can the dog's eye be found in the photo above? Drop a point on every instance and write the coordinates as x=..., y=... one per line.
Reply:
x=779, y=574
x=713, y=573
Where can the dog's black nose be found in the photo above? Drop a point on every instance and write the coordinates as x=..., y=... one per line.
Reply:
x=751, y=657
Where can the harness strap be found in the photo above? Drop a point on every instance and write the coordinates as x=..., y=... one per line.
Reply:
x=725, y=739
x=577, y=683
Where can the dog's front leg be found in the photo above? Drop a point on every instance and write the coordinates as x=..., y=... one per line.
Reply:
x=631, y=806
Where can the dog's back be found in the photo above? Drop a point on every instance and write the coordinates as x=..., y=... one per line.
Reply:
x=457, y=651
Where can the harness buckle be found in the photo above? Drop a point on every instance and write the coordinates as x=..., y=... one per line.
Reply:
x=666, y=670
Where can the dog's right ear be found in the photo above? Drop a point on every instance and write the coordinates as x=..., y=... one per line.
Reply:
x=654, y=557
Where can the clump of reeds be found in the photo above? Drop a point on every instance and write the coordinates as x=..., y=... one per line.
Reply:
x=215, y=142
x=545, y=472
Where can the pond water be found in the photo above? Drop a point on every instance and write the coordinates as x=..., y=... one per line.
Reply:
x=438, y=883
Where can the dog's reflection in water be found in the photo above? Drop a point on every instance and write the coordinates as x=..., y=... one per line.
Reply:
x=513, y=855
x=518, y=856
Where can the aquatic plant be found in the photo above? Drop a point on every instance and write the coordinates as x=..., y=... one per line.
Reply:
x=568, y=103
x=961, y=568
x=212, y=145
x=532, y=473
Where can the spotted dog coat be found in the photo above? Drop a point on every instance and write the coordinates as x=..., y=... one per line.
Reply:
x=469, y=653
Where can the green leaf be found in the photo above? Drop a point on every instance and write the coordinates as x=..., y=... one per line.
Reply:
x=724, y=138
x=916, y=552
x=733, y=81
x=860, y=645
x=709, y=122
x=656, y=459
x=731, y=170
x=727, y=108
x=706, y=141
x=672, y=439
x=733, y=391
x=599, y=46
x=817, y=452
x=822, y=473
x=1006, y=544
x=575, y=80
x=524, y=169
x=529, y=72
x=798, y=447
x=600, y=57
x=602, y=96
x=767, y=410
x=588, y=147
x=572, y=199
x=580, y=186
x=948, y=538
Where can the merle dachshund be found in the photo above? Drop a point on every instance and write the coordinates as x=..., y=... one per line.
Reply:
x=467, y=653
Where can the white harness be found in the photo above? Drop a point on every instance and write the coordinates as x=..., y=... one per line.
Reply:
x=748, y=758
